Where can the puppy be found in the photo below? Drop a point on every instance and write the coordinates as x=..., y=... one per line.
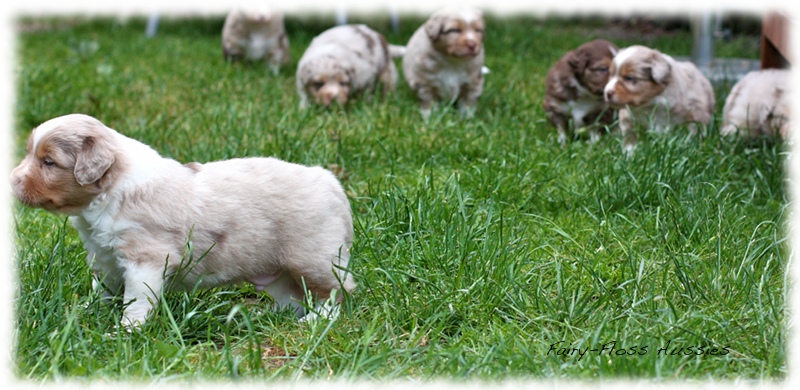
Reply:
x=280, y=226
x=651, y=88
x=256, y=35
x=344, y=61
x=574, y=91
x=759, y=105
x=444, y=60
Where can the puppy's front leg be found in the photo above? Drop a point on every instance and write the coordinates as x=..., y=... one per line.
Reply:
x=561, y=123
x=274, y=67
x=143, y=285
x=629, y=137
x=425, y=97
x=301, y=91
x=469, y=97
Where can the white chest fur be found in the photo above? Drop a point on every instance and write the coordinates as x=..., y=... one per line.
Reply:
x=99, y=233
x=583, y=105
x=449, y=81
x=258, y=45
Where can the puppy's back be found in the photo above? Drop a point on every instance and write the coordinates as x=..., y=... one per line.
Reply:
x=274, y=183
x=698, y=91
x=759, y=104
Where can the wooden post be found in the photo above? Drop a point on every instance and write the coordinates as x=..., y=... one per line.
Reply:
x=774, y=41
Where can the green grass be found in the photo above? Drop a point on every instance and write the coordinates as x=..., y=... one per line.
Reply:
x=479, y=243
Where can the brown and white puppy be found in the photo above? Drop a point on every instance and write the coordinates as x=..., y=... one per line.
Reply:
x=653, y=89
x=759, y=105
x=277, y=225
x=574, y=90
x=256, y=35
x=344, y=61
x=444, y=59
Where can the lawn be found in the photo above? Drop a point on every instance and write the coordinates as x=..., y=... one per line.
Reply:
x=483, y=249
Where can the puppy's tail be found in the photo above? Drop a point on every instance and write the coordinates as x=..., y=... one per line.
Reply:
x=397, y=51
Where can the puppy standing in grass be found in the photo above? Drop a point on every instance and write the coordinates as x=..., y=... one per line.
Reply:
x=651, y=88
x=344, y=61
x=444, y=59
x=256, y=35
x=277, y=225
x=759, y=105
x=574, y=90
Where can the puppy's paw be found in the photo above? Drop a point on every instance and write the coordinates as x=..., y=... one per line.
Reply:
x=426, y=114
x=562, y=138
x=327, y=309
x=467, y=111
x=129, y=323
x=123, y=330
x=594, y=136
x=274, y=68
x=628, y=149
x=322, y=311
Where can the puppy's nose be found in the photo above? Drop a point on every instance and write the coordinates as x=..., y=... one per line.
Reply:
x=472, y=45
x=16, y=176
x=333, y=96
x=609, y=94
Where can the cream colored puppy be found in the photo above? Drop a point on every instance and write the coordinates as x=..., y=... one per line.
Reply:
x=277, y=225
x=256, y=35
x=444, y=59
x=344, y=61
x=653, y=89
x=759, y=105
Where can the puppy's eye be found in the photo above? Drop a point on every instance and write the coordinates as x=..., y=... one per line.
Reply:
x=48, y=162
x=344, y=83
x=479, y=30
x=317, y=84
x=602, y=70
x=453, y=31
x=629, y=79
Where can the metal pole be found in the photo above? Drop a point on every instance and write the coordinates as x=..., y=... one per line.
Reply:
x=703, y=50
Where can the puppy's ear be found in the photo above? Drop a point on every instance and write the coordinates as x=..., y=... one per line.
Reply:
x=94, y=159
x=433, y=28
x=577, y=61
x=660, y=69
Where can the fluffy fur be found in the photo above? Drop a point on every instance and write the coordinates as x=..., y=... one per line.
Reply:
x=277, y=225
x=759, y=105
x=256, y=35
x=574, y=90
x=444, y=59
x=651, y=88
x=344, y=61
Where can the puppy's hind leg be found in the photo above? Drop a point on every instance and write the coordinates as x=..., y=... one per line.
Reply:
x=388, y=79
x=284, y=290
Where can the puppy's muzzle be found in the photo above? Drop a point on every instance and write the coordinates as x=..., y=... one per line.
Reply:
x=330, y=95
x=609, y=96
